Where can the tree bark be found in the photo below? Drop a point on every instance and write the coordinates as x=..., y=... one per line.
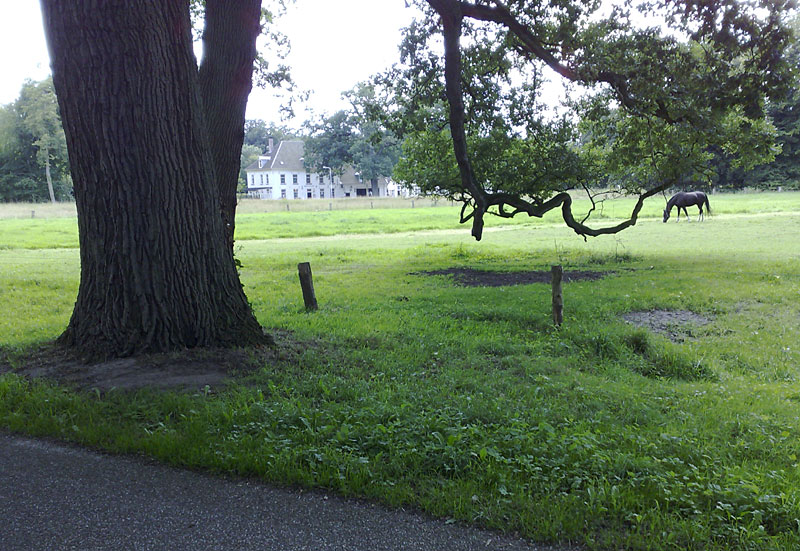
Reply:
x=157, y=273
x=226, y=75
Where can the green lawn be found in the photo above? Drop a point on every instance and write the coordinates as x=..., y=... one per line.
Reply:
x=466, y=402
x=55, y=226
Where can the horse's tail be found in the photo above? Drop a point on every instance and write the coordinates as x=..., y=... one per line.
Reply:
x=708, y=205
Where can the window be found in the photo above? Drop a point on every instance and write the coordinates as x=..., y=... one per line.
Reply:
x=283, y=179
x=252, y=180
x=266, y=178
x=283, y=194
x=296, y=194
x=294, y=179
x=308, y=178
x=333, y=193
x=262, y=179
x=269, y=192
x=322, y=194
x=308, y=194
x=321, y=178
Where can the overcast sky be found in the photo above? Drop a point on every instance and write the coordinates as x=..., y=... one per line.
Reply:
x=335, y=44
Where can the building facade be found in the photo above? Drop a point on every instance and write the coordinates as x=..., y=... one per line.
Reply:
x=279, y=174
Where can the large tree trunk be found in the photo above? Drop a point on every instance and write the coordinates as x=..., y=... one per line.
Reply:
x=156, y=271
x=226, y=75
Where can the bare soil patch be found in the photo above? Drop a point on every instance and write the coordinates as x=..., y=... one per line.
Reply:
x=468, y=277
x=676, y=325
x=191, y=370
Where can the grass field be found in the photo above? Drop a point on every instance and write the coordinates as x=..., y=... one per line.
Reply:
x=466, y=402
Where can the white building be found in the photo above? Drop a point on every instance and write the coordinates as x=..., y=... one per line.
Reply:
x=280, y=174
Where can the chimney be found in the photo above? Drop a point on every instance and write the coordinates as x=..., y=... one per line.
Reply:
x=270, y=143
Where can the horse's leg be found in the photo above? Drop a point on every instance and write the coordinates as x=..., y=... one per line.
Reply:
x=700, y=216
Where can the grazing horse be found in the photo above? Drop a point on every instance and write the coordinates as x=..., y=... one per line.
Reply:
x=684, y=199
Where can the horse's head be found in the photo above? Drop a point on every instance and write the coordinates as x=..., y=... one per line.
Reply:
x=666, y=215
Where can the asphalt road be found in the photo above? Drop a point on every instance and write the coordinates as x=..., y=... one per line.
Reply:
x=60, y=497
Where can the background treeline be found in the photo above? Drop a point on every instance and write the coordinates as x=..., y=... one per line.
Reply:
x=33, y=149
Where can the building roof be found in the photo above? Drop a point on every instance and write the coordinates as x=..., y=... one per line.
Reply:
x=288, y=156
x=349, y=177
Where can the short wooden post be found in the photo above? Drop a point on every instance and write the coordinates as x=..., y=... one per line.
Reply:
x=412, y=203
x=330, y=206
x=558, y=299
x=287, y=207
x=33, y=214
x=307, y=285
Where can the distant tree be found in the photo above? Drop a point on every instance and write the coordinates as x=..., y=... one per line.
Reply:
x=354, y=137
x=784, y=171
x=38, y=110
x=656, y=99
x=33, y=152
x=250, y=154
x=375, y=149
x=330, y=141
x=375, y=153
x=258, y=132
x=17, y=163
x=20, y=175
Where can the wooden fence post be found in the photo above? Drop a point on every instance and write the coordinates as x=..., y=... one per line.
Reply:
x=558, y=299
x=307, y=285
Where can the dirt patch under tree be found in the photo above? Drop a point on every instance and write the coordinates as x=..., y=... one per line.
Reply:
x=190, y=370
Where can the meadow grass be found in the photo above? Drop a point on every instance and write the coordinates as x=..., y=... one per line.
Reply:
x=56, y=226
x=466, y=402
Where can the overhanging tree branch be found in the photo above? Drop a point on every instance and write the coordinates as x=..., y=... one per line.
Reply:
x=452, y=13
